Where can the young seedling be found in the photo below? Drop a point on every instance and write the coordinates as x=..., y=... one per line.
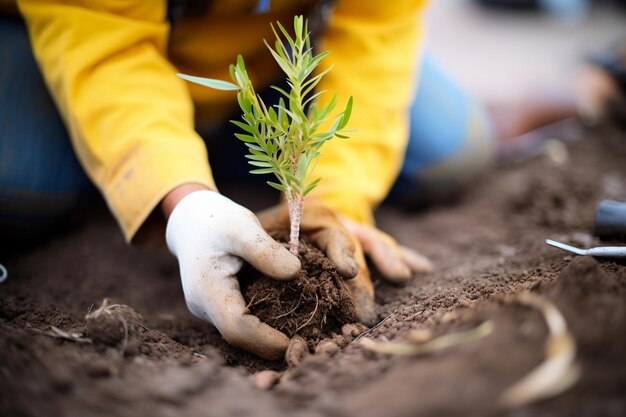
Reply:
x=285, y=139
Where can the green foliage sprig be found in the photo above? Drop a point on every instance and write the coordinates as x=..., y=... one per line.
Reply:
x=285, y=139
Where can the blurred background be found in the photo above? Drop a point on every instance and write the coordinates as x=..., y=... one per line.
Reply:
x=498, y=49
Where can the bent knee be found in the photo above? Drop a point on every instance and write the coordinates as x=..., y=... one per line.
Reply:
x=447, y=176
x=469, y=161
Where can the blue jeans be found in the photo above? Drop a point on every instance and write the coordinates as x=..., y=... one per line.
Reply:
x=451, y=141
x=41, y=180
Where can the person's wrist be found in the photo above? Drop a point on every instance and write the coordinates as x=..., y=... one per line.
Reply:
x=176, y=195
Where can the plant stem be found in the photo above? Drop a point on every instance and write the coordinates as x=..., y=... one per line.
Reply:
x=295, y=217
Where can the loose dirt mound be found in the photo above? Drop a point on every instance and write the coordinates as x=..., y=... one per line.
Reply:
x=315, y=305
x=486, y=249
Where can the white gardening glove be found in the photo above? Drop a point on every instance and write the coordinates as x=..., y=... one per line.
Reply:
x=211, y=236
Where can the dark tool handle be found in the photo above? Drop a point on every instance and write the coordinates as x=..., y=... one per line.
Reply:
x=611, y=220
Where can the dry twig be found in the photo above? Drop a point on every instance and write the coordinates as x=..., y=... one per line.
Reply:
x=62, y=334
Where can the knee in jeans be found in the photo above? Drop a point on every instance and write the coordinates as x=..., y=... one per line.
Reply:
x=27, y=216
x=445, y=179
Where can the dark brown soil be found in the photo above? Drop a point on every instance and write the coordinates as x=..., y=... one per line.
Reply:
x=314, y=306
x=486, y=249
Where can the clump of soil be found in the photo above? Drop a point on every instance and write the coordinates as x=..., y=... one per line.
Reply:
x=118, y=327
x=112, y=324
x=314, y=306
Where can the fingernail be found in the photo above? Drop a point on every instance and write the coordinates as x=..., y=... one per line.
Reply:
x=352, y=268
x=404, y=272
x=295, y=264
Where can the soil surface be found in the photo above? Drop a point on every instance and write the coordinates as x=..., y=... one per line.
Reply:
x=158, y=360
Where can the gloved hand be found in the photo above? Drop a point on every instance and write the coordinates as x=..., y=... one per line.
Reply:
x=601, y=88
x=211, y=236
x=346, y=243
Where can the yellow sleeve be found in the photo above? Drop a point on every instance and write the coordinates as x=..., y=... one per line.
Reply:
x=374, y=49
x=129, y=117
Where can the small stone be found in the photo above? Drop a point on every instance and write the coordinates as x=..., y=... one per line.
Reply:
x=556, y=152
x=296, y=351
x=327, y=347
x=352, y=329
x=340, y=340
x=266, y=380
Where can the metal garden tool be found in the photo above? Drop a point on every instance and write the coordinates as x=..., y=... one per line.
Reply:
x=600, y=252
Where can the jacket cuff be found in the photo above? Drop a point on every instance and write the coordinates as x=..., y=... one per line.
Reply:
x=149, y=174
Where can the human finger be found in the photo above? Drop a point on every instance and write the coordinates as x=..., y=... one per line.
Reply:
x=259, y=249
x=384, y=253
x=339, y=247
x=237, y=326
x=362, y=291
x=415, y=261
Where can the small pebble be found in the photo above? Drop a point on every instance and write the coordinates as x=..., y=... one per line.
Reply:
x=266, y=380
x=352, y=329
x=296, y=351
x=556, y=152
x=327, y=347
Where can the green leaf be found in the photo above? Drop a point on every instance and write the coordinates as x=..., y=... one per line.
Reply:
x=245, y=127
x=271, y=113
x=313, y=97
x=246, y=138
x=244, y=102
x=210, y=82
x=322, y=137
x=255, y=147
x=292, y=178
x=283, y=92
x=346, y=115
x=297, y=26
x=312, y=82
x=276, y=185
x=262, y=164
x=328, y=107
x=286, y=34
x=303, y=165
x=311, y=186
x=240, y=63
x=257, y=157
x=262, y=171
x=314, y=63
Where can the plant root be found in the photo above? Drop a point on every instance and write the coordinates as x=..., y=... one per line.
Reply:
x=558, y=372
x=113, y=324
x=439, y=343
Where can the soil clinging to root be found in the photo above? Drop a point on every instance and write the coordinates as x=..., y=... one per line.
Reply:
x=314, y=306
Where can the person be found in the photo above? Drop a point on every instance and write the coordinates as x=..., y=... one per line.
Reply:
x=126, y=123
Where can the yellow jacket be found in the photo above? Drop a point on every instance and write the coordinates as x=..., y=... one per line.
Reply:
x=111, y=66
